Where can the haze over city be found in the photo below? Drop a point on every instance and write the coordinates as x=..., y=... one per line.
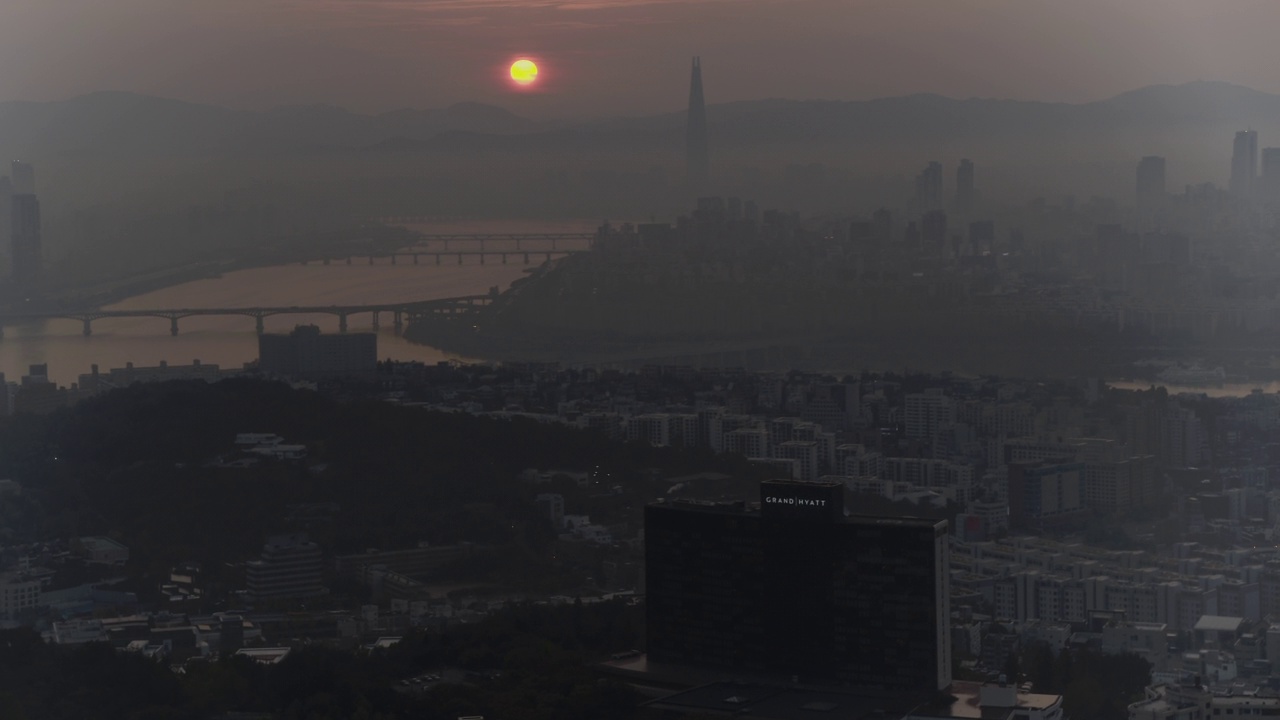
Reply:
x=616, y=57
x=639, y=359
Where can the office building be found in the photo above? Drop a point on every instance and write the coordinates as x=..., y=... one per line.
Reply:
x=1046, y=492
x=1120, y=486
x=733, y=209
x=933, y=232
x=307, y=353
x=1150, y=187
x=794, y=587
x=1268, y=181
x=290, y=567
x=6, y=217
x=927, y=412
x=23, y=176
x=929, y=188
x=882, y=226
x=1244, y=162
x=982, y=237
x=966, y=195
x=24, y=242
x=697, y=152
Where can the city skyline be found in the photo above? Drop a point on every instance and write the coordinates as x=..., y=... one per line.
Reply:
x=458, y=358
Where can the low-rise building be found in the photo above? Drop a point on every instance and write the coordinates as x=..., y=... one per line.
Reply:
x=101, y=550
x=290, y=567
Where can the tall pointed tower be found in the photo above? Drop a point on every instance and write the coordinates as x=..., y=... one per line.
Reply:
x=696, y=155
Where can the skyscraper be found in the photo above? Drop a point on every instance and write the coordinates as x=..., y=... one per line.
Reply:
x=933, y=232
x=1244, y=162
x=25, y=239
x=1150, y=187
x=1268, y=181
x=697, y=154
x=23, y=176
x=929, y=188
x=6, y=210
x=965, y=197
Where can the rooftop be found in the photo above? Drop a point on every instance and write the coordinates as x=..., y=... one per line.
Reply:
x=1218, y=623
x=265, y=655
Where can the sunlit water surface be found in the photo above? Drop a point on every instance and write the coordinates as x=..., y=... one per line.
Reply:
x=232, y=341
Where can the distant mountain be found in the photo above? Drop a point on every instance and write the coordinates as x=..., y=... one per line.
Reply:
x=126, y=123
x=1149, y=120
x=114, y=122
x=928, y=116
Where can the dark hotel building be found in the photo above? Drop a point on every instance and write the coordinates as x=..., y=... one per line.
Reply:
x=306, y=353
x=796, y=587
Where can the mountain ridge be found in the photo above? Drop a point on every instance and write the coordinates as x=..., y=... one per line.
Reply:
x=110, y=122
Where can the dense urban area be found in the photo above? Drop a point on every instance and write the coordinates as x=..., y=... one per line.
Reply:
x=913, y=451
x=382, y=522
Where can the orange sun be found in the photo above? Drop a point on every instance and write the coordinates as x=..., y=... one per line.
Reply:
x=524, y=72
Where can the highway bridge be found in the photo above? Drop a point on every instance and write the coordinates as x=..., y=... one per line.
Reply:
x=443, y=247
x=400, y=312
x=412, y=257
x=522, y=241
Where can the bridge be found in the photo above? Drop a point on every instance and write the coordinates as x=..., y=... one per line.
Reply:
x=399, y=311
x=440, y=247
x=438, y=256
x=526, y=247
x=580, y=240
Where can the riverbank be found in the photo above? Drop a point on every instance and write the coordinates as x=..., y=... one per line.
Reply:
x=377, y=241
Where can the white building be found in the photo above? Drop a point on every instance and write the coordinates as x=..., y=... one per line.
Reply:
x=928, y=411
x=18, y=593
x=805, y=453
x=654, y=428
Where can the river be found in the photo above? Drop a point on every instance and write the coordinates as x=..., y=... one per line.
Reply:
x=232, y=341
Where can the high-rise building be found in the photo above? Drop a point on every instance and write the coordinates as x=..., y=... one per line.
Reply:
x=929, y=188
x=1244, y=162
x=290, y=567
x=982, y=236
x=882, y=223
x=927, y=412
x=24, y=239
x=933, y=231
x=1268, y=181
x=1151, y=195
x=966, y=195
x=733, y=209
x=1046, y=492
x=797, y=588
x=23, y=176
x=6, y=217
x=697, y=153
x=1151, y=184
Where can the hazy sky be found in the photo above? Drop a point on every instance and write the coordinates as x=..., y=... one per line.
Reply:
x=612, y=57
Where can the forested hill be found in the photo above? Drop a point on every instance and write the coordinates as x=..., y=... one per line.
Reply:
x=141, y=464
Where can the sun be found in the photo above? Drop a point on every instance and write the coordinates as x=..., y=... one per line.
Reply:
x=524, y=72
